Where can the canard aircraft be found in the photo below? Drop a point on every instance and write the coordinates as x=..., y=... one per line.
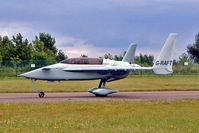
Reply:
x=105, y=70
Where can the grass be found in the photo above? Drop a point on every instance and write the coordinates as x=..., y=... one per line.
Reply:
x=102, y=116
x=132, y=83
x=179, y=116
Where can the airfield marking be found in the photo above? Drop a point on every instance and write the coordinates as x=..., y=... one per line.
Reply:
x=85, y=96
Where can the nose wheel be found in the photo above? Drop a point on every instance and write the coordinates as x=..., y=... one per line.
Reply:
x=41, y=94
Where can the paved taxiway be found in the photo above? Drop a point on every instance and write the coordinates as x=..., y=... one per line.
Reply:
x=84, y=96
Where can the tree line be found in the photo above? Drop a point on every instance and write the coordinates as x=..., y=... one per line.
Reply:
x=18, y=49
x=191, y=56
x=42, y=50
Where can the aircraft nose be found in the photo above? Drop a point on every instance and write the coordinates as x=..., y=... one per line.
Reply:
x=31, y=74
x=26, y=75
x=23, y=75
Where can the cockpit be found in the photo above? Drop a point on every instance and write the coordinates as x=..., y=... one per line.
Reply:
x=83, y=60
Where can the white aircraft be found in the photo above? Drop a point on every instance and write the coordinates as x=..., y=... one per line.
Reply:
x=103, y=69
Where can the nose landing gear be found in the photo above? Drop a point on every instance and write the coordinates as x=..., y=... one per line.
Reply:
x=41, y=94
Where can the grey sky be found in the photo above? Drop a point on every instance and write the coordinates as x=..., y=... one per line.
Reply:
x=94, y=27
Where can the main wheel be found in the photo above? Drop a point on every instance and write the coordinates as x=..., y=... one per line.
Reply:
x=97, y=95
x=41, y=94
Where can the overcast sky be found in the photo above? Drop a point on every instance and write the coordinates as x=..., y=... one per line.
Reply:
x=95, y=27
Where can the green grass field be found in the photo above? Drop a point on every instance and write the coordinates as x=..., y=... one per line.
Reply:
x=132, y=83
x=101, y=116
x=156, y=116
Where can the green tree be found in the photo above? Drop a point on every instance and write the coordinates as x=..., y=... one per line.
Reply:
x=184, y=58
x=118, y=57
x=61, y=56
x=108, y=56
x=193, y=50
x=49, y=43
x=49, y=52
x=149, y=59
x=7, y=49
x=144, y=60
x=39, y=57
x=23, y=48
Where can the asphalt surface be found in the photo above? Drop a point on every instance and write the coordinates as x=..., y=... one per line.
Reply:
x=85, y=96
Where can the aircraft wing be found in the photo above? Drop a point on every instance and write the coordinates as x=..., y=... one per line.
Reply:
x=105, y=68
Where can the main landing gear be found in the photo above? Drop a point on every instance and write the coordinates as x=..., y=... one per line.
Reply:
x=102, y=91
x=41, y=94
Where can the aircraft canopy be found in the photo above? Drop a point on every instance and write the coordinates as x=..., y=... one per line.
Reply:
x=83, y=60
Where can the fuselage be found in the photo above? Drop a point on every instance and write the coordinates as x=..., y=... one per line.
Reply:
x=56, y=72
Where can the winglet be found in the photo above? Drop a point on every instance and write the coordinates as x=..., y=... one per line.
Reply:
x=130, y=54
x=164, y=62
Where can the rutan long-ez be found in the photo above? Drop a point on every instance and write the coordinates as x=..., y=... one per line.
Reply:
x=103, y=69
